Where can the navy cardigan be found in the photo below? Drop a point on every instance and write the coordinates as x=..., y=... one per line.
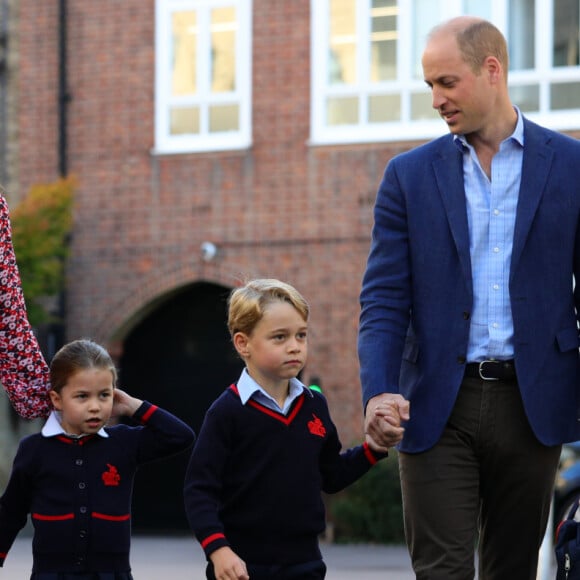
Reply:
x=78, y=492
x=255, y=478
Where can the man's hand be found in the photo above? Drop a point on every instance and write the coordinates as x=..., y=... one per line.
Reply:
x=383, y=417
x=227, y=565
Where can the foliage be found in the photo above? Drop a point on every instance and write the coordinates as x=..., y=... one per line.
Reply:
x=41, y=226
x=370, y=510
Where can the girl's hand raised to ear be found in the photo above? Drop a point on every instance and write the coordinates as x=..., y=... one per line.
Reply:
x=124, y=405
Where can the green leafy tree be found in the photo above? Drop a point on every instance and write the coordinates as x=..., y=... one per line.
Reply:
x=370, y=510
x=41, y=226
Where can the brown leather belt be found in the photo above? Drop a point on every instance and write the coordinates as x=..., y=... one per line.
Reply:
x=491, y=370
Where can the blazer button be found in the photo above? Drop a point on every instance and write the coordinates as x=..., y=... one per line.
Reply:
x=466, y=315
x=461, y=360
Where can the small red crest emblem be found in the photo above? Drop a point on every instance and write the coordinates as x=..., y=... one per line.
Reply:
x=111, y=477
x=316, y=427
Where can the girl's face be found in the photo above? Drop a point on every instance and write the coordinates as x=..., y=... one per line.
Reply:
x=277, y=348
x=86, y=401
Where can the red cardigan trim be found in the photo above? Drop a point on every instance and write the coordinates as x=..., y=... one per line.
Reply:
x=53, y=518
x=148, y=413
x=211, y=539
x=100, y=516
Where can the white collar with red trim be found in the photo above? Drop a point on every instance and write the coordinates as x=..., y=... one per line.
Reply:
x=248, y=389
x=53, y=427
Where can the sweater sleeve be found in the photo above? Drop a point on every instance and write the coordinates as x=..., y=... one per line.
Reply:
x=203, y=481
x=15, y=502
x=341, y=468
x=24, y=373
x=163, y=434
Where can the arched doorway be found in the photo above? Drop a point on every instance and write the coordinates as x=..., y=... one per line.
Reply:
x=181, y=358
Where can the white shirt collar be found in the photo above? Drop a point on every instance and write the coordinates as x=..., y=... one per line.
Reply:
x=53, y=427
x=247, y=387
x=517, y=135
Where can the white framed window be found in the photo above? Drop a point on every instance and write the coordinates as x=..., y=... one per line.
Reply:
x=202, y=75
x=367, y=82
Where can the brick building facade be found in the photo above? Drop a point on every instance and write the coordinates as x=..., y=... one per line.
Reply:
x=280, y=208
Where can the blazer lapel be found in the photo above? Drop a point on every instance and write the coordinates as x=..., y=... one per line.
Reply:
x=535, y=168
x=449, y=176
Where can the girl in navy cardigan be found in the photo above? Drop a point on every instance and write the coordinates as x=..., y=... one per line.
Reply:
x=267, y=448
x=75, y=478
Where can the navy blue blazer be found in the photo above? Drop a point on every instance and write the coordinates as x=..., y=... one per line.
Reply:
x=417, y=291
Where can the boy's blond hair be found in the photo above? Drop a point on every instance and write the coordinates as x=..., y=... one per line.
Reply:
x=246, y=304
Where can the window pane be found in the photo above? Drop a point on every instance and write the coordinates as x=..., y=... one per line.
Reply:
x=565, y=96
x=566, y=17
x=384, y=40
x=526, y=97
x=384, y=108
x=426, y=14
x=422, y=107
x=184, y=120
x=342, y=42
x=521, y=33
x=184, y=37
x=224, y=118
x=223, y=49
x=481, y=8
x=342, y=111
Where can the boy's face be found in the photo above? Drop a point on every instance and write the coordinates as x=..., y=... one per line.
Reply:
x=276, y=350
x=86, y=401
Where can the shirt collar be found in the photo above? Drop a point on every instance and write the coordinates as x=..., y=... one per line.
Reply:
x=53, y=427
x=517, y=135
x=247, y=387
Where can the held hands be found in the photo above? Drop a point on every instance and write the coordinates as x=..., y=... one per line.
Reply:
x=124, y=405
x=383, y=417
x=227, y=565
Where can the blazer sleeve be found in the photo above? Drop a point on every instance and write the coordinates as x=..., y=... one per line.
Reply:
x=385, y=297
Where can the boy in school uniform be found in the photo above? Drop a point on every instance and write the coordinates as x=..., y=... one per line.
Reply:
x=268, y=448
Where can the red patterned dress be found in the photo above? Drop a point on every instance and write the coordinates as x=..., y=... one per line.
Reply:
x=24, y=373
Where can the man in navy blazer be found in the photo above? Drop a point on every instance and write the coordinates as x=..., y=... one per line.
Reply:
x=469, y=317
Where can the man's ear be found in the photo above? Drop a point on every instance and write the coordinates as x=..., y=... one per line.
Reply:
x=55, y=399
x=494, y=69
x=240, y=341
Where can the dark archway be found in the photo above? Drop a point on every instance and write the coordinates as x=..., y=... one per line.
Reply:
x=181, y=358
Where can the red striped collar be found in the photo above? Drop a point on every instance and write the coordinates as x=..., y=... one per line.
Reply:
x=286, y=419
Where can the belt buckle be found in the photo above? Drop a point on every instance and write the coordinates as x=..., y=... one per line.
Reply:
x=481, y=371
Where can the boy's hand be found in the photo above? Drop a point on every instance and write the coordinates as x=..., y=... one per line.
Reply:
x=227, y=565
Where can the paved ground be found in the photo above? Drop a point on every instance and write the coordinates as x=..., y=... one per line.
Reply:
x=180, y=558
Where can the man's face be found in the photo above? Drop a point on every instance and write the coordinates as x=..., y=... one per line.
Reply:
x=462, y=98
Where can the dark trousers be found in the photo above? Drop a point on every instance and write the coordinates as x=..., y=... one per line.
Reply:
x=315, y=570
x=487, y=484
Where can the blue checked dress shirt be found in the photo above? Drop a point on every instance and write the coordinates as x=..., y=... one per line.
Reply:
x=491, y=216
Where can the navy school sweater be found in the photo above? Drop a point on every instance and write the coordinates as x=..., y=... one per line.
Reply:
x=78, y=492
x=255, y=478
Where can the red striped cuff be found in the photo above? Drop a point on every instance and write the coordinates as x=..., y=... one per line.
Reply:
x=211, y=539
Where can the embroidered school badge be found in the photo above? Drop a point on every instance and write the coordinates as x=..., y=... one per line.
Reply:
x=111, y=477
x=316, y=427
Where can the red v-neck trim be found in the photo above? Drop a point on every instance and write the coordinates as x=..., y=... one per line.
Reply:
x=286, y=419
